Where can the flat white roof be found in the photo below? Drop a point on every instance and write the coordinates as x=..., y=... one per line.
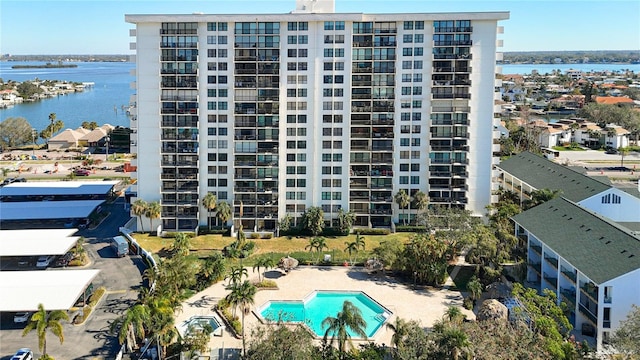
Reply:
x=57, y=188
x=40, y=210
x=54, y=289
x=35, y=242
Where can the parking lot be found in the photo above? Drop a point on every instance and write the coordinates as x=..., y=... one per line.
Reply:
x=120, y=276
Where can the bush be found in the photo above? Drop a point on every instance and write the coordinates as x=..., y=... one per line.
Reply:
x=95, y=297
x=80, y=318
x=267, y=236
x=374, y=231
x=467, y=303
x=255, y=236
x=204, y=230
x=410, y=228
x=333, y=232
x=172, y=234
x=267, y=284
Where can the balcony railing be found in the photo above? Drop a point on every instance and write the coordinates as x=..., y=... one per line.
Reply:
x=569, y=274
x=551, y=260
x=551, y=279
x=591, y=316
x=537, y=248
x=569, y=295
x=591, y=290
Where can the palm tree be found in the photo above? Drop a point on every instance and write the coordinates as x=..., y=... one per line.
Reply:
x=265, y=262
x=209, y=202
x=320, y=244
x=624, y=151
x=79, y=250
x=41, y=321
x=182, y=244
x=475, y=289
x=311, y=245
x=400, y=330
x=453, y=342
x=454, y=315
x=139, y=208
x=242, y=295
x=350, y=318
x=223, y=212
x=402, y=199
x=351, y=248
x=360, y=243
x=153, y=211
x=421, y=199
x=235, y=275
x=131, y=326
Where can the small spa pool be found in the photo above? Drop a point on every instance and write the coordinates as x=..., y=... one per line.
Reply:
x=199, y=322
x=318, y=305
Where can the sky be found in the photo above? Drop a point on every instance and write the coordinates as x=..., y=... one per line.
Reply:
x=97, y=27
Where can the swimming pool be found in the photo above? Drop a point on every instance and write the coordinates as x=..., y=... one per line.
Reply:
x=318, y=305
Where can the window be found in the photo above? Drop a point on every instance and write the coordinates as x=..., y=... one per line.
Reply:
x=406, y=64
x=301, y=182
x=328, y=25
x=408, y=25
x=415, y=142
x=222, y=26
x=326, y=182
x=337, y=170
x=404, y=179
x=326, y=170
x=303, y=52
x=415, y=180
x=407, y=38
x=417, y=64
x=301, y=157
x=222, y=40
x=326, y=195
x=303, y=39
x=292, y=26
x=407, y=51
x=417, y=90
x=302, y=66
x=292, y=39
x=415, y=167
x=404, y=155
x=419, y=25
x=337, y=196
x=211, y=40
x=406, y=77
x=404, y=167
x=418, y=38
x=339, y=25
x=418, y=51
x=404, y=142
x=301, y=170
x=417, y=77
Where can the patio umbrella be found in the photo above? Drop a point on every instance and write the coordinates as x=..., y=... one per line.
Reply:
x=373, y=265
x=288, y=263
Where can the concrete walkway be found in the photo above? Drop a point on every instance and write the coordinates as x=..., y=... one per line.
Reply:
x=424, y=305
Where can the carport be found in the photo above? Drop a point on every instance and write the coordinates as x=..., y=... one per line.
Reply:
x=34, y=242
x=57, y=190
x=47, y=210
x=55, y=290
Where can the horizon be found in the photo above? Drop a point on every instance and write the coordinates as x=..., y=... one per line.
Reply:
x=99, y=28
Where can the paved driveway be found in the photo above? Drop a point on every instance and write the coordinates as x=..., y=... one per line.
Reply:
x=120, y=276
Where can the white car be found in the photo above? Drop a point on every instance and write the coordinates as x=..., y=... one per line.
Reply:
x=44, y=261
x=23, y=354
x=21, y=317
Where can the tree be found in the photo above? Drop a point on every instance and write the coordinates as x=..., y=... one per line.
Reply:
x=474, y=286
x=425, y=258
x=15, y=132
x=89, y=125
x=209, y=203
x=139, y=209
x=265, y=262
x=212, y=269
x=399, y=328
x=131, y=326
x=27, y=89
x=390, y=252
x=421, y=200
x=53, y=127
x=284, y=224
x=153, y=211
x=223, y=212
x=280, y=342
x=181, y=244
x=625, y=339
x=345, y=221
x=313, y=220
x=320, y=244
x=242, y=295
x=43, y=320
x=624, y=151
x=350, y=318
x=351, y=248
x=402, y=199
x=452, y=343
x=235, y=274
x=540, y=196
x=79, y=251
x=196, y=340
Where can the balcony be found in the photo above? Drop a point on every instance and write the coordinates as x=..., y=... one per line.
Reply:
x=551, y=260
x=536, y=248
x=569, y=295
x=589, y=315
x=535, y=266
x=571, y=275
x=551, y=279
x=591, y=290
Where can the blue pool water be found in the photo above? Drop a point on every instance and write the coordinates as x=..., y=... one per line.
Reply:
x=320, y=304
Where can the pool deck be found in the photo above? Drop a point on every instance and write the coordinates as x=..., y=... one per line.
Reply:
x=425, y=305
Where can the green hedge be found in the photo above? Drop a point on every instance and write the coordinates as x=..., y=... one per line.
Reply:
x=410, y=228
x=373, y=231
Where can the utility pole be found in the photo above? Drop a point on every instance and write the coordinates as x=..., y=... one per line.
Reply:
x=34, y=135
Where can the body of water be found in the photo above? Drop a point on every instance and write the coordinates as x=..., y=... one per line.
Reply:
x=103, y=103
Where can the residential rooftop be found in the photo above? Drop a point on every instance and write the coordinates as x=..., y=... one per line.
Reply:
x=599, y=248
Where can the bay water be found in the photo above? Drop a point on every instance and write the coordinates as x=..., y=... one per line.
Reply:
x=108, y=99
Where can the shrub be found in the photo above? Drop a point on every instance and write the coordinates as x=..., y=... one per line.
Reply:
x=467, y=303
x=172, y=234
x=82, y=317
x=95, y=297
x=333, y=232
x=255, y=235
x=410, y=228
x=267, y=236
x=374, y=231
x=267, y=284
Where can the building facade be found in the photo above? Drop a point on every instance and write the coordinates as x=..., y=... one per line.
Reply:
x=275, y=113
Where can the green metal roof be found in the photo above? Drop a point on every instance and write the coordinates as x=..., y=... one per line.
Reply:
x=541, y=173
x=600, y=249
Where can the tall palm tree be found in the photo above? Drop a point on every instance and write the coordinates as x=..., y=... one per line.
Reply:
x=360, y=244
x=265, y=262
x=209, y=202
x=242, y=295
x=421, y=199
x=223, y=212
x=139, y=208
x=320, y=244
x=474, y=286
x=350, y=318
x=131, y=326
x=402, y=199
x=43, y=320
x=153, y=211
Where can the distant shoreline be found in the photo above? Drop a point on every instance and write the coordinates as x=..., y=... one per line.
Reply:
x=46, y=66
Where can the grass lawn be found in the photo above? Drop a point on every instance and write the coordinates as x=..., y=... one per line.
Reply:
x=202, y=246
x=568, y=148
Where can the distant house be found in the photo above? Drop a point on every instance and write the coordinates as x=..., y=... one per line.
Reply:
x=616, y=136
x=574, y=74
x=554, y=135
x=614, y=100
x=69, y=138
x=96, y=137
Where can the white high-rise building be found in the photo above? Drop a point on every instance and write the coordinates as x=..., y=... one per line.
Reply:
x=276, y=113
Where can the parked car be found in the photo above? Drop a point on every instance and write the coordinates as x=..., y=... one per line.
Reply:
x=21, y=317
x=44, y=261
x=23, y=354
x=64, y=259
x=611, y=151
x=82, y=172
